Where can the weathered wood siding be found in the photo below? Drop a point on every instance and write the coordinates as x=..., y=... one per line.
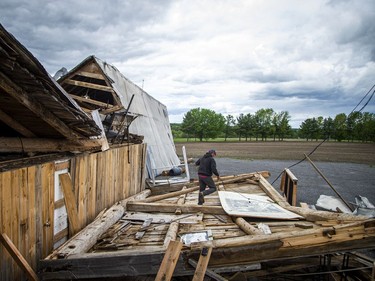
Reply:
x=27, y=199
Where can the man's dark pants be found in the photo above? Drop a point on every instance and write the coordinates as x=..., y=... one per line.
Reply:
x=204, y=182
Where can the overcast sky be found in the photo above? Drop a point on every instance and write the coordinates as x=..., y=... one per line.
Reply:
x=311, y=58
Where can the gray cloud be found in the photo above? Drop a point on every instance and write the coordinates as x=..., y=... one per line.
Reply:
x=313, y=57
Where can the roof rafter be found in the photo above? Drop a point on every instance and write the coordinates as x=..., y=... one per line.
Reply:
x=22, y=97
x=15, y=125
x=88, y=85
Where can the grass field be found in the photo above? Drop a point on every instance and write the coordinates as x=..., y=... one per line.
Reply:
x=347, y=152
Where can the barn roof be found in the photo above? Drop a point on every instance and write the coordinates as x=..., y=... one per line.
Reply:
x=32, y=104
x=95, y=84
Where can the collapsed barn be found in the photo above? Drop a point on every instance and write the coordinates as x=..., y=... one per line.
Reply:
x=75, y=159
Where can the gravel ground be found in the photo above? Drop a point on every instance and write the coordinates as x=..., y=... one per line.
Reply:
x=347, y=178
x=349, y=167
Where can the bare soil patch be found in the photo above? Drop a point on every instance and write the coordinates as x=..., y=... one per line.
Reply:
x=346, y=152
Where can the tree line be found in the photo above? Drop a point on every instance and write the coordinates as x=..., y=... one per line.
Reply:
x=204, y=124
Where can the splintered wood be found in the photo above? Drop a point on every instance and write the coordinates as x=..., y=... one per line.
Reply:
x=173, y=229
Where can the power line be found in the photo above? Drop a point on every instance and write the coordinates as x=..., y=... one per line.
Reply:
x=316, y=147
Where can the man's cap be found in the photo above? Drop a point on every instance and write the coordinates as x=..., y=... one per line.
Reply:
x=212, y=151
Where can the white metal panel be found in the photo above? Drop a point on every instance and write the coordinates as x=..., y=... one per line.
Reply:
x=152, y=122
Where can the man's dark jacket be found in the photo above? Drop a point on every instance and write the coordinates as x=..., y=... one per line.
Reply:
x=207, y=165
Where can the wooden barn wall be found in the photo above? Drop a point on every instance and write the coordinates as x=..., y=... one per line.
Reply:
x=27, y=199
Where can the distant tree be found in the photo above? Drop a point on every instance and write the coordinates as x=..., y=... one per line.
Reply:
x=367, y=128
x=263, y=118
x=280, y=125
x=352, y=125
x=229, y=125
x=340, y=126
x=245, y=126
x=309, y=129
x=203, y=123
x=328, y=128
x=240, y=128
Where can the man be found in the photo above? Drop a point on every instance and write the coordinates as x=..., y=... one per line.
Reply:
x=207, y=167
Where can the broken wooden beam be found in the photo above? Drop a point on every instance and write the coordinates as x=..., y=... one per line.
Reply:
x=8, y=144
x=209, y=272
x=301, y=238
x=88, y=85
x=169, y=262
x=171, y=233
x=70, y=203
x=201, y=268
x=87, y=237
x=247, y=227
x=17, y=256
x=171, y=208
x=19, y=94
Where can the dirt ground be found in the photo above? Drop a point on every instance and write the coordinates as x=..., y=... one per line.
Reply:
x=361, y=153
x=350, y=167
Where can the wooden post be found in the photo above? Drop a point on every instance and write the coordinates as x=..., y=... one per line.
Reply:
x=204, y=258
x=209, y=272
x=327, y=181
x=70, y=203
x=19, y=259
x=169, y=262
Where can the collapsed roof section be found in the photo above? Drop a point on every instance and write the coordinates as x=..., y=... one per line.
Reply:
x=126, y=110
x=36, y=114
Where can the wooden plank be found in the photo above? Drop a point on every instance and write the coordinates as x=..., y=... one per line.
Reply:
x=8, y=144
x=164, y=218
x=141, y=231
x=88, y=85
x=112, y=109
x=308, y=235
x=87, y=237
x=38, y=214
x=15, y=223
x=139, y=196
x=32, y=210
x=172, y=233
x=272, y=193
x=24, y=213
x=169, y=262
x=91, y=208
x=247, y=227
x=91, y=75
x=18, y=127
x=209, y=272
x=6, y=218
x=70, y=203
x=62, y=165
x=80, y=187
x=91, y=101
x=36, y=107
x=171, y=208
x=20, y=260
x=47, y=206
x=204, y=258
